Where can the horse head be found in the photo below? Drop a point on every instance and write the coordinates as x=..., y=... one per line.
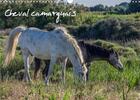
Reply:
x=114, y=60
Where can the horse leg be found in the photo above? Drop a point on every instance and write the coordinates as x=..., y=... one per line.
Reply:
x=37, y=67
x=26, y=66
x=50, y=69
x=63, y=64
x=46, y=69
x=88, y=71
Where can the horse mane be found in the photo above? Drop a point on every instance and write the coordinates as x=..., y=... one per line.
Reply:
x=73, y=41
x=21, y=26
x=98, y=50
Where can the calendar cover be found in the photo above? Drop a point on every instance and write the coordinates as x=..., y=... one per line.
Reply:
x=69, y=49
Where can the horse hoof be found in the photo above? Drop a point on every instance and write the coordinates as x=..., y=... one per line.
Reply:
x=28, y=80
x=47, y=82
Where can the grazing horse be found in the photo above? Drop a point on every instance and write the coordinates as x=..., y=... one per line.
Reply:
x=91, y=53
x=46, y=45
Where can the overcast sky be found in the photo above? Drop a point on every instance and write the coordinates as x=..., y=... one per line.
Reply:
x=104, y=2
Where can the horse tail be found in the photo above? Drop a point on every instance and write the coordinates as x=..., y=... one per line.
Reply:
x=12, y=43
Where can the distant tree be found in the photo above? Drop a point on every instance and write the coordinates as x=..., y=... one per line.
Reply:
x=99, y=7
x=134, y=6
x=2, y=24
x=121, y=8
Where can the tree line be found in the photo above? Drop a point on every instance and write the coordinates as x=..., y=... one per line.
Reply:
x=123, y=8
x=39, y=21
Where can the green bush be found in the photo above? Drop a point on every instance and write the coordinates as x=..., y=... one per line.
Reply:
x=108, y=29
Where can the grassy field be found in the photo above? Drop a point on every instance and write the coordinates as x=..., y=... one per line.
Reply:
x=106, y=83
x=93, y=17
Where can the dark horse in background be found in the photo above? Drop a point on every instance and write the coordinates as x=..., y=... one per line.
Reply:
x=91, y=53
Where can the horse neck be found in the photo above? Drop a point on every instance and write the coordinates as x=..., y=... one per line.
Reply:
x=96, y=52
x=75, y=60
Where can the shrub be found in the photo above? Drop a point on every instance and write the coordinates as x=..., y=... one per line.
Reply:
x=109, y=29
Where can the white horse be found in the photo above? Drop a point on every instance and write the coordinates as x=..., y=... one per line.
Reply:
x=53, y=45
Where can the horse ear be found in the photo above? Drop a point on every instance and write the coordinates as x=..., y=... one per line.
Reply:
x=111, y=50
x=81, y=42
x=116, y=53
